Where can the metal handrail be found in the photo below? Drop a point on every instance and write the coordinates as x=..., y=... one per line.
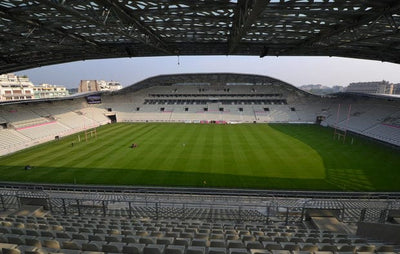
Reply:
x=204, y=191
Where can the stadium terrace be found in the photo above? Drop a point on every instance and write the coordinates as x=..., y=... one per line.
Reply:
x=213, y=163
x=168, y=166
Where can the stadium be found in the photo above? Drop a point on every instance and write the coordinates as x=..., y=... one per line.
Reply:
x=199, y=163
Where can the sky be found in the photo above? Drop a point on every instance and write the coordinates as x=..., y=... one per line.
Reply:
x=328, y=71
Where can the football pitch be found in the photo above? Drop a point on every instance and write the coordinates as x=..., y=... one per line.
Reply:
x=259, y=156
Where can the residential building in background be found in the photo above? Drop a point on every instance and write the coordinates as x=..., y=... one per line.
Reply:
x=49, y=91
x=396, y=89
x=375, y=87
x=72, y=91
x=321, y=89
x=98, y=85
x=13, y=87
x=88, y=86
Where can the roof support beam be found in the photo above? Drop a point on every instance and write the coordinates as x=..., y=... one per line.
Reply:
x=369, y=16
x=37, y=24
x=149, y=36
x=66, y=9
x=245, y=15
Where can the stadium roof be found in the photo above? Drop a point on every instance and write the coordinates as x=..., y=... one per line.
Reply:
x=213, y=79
x=43, y=32
x=391, y=97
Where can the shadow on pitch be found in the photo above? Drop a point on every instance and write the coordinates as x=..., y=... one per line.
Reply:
x=353, y=165
x=104, y=176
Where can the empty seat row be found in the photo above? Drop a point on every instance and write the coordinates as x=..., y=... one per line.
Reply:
x=53, y=246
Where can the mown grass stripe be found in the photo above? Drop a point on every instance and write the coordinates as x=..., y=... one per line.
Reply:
x=246, y=156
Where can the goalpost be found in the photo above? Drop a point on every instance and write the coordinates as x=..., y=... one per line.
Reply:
x=341, y=133
x=88, y=135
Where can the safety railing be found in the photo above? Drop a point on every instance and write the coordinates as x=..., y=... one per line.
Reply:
x=196, y=207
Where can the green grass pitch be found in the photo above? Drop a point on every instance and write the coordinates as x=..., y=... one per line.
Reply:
x=275, y=156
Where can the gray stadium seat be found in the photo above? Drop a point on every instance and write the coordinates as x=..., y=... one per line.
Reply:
x=259, y=251
x=32, y=232
x=91, y=246
x=165, y=240
x=16, y=240
x=182, y=241
x=51, y=244
x=33, y=242
x=17, y=231
x=133, y=248
x=157, y=234
x=238, y=251
x=186, y=235
x=113, y=232
x=331, y=248
x=217, y=237
x=323, y=252
x=253, y=245
x=280, y=239
x=4, y=230
x=172, y=234
x=10, y=251
x=280, y=252
x=130, y=239
x=196, y=250
x=47, y=234
x=201, y=236
x=385, y=248
x=175, y=249
x=57, y=228
x=147, y=240
x=304, y=252
x=79, y=236
x=291, y=247
x=113, y=238
x=153, y=249
x=296, y=240
x=344, y=241
x=64, y=235
x=273, y=246
x=201, y=242
x=248, y=238
x=112, y=247
x=218, y=243
x=232, y=237
x=216, y=250
x=309, y=247
x=70, y=245
x=366, y=248
x=235, y=244
x=347, y=248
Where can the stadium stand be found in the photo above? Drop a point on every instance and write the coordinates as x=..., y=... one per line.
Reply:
x=66, y=219
x=145, y=223
x=368, y=116
x=18, y=114
x=196, y=98
x=28, y=124
x=388, y=133
x=10, y=140
x=44, y=131
x=28, y=234
x=95, y=114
